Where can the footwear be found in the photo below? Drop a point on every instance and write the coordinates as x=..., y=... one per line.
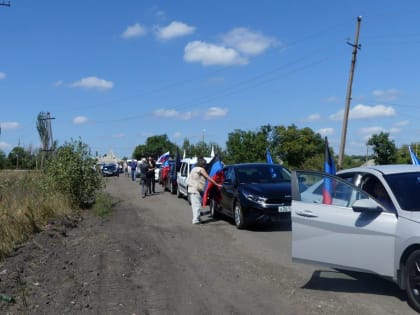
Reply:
x=198, y=222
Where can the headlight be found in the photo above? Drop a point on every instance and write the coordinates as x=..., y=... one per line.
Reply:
x=254, y=198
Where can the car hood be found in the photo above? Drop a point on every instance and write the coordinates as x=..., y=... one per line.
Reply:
x=269, y=190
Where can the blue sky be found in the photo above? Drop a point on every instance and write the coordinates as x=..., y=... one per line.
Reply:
x=116, y=72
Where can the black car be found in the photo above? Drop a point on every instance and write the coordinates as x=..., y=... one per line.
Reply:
x=167, y=176
x=110, y=170
x=253, y=192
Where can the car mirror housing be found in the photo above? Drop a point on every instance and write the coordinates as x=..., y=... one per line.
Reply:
x=366, y=205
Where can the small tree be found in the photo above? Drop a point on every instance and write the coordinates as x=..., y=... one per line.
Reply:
x=384, y=149
x=72, y=172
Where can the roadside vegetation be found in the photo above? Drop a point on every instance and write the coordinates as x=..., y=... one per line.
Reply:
x=29, y=199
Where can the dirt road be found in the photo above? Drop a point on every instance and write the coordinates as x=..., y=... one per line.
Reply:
x=147, y=258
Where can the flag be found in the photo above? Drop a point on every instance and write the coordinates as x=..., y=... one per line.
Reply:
x=177, y=161
x=214, y=169
x=212, y=152
x=163, y=158
x=268, y=155
x=329, y=168
x=414, y=159
x=184, y=156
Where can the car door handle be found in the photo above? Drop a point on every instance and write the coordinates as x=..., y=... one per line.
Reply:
x=306, y=213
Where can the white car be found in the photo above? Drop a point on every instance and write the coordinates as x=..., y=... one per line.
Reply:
x=352, y=226
x=184, y=172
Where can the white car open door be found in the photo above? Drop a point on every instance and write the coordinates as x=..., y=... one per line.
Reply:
x=334, y=223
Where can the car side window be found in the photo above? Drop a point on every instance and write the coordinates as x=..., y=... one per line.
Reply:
x=184, y=169
x=229, y=174
x=323, y=189
x=374, y=188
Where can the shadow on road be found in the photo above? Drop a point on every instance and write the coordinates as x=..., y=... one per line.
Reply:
x=353, y=282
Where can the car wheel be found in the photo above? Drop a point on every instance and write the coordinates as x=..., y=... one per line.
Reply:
x=412, y=279
x=213, y=209
x=239, y=216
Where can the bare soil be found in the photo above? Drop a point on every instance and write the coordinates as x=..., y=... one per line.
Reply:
x=147, y=258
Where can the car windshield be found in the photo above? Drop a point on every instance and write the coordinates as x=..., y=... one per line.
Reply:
x=406, y=189
x=269, y=173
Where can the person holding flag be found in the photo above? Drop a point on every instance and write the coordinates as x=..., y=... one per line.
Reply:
x=196, y=183
x=329, y=168
x=215, y=169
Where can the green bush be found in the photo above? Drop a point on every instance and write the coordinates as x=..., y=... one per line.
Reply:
x=72, y=172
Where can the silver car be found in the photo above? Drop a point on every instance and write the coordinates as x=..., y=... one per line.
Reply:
x=364, y=219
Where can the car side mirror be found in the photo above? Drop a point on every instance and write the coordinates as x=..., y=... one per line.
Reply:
x=366, y=205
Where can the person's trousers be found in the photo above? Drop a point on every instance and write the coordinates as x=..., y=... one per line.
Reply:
x=195, y=199
x=145, y=186
x=133, y=175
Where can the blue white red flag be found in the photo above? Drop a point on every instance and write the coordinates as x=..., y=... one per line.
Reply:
x=329, y=168
x=414, y=159
x=214, y=168
x=163, y=158
x=268, y=156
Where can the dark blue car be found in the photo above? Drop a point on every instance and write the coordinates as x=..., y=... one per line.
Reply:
x=110, y=170
x=253, y=192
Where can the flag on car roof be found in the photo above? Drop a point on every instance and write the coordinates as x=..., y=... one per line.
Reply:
x=214, y=169
x=163, y=158
x=329, y=168
x=414, y=159
x=268, y=156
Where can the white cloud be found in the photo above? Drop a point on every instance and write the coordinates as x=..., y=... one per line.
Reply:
x=371, y=130
x=248, y=42
x=326, y=131
x=332, y=99
x=80, y=120
x=188, y=115
x=178, y=135
x=210, y=54
x=312, y=117
x=135, y=30
x=2, y=75
x=173, y=30
x=93, y=83
x=386, y=95
x=118, y=136
x=9, y=125
x=365, y=112
x=58, y=83
x=215, y=112
x=402, y=123
x=395, y=130
x=167, y=113
x=4, y=146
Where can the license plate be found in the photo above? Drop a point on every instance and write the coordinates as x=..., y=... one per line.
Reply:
x=284, y=208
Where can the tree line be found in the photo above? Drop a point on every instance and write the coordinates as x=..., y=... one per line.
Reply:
x=296, y=148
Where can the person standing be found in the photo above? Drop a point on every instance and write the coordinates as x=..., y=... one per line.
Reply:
x=133, y=170
x=151, y=175
x=196, y=183
x=144, y=180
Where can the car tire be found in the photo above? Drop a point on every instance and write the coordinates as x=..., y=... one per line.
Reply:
x=412, y=274
x=238, y=215
x=213, y=209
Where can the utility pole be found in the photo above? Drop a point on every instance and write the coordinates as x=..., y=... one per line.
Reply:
x=355, y=46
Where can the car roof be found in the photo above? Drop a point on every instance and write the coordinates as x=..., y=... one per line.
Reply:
x=252, y=164
x=385, y=169
x=193, y=160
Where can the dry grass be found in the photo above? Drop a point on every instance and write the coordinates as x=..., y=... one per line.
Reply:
x=25, y=208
